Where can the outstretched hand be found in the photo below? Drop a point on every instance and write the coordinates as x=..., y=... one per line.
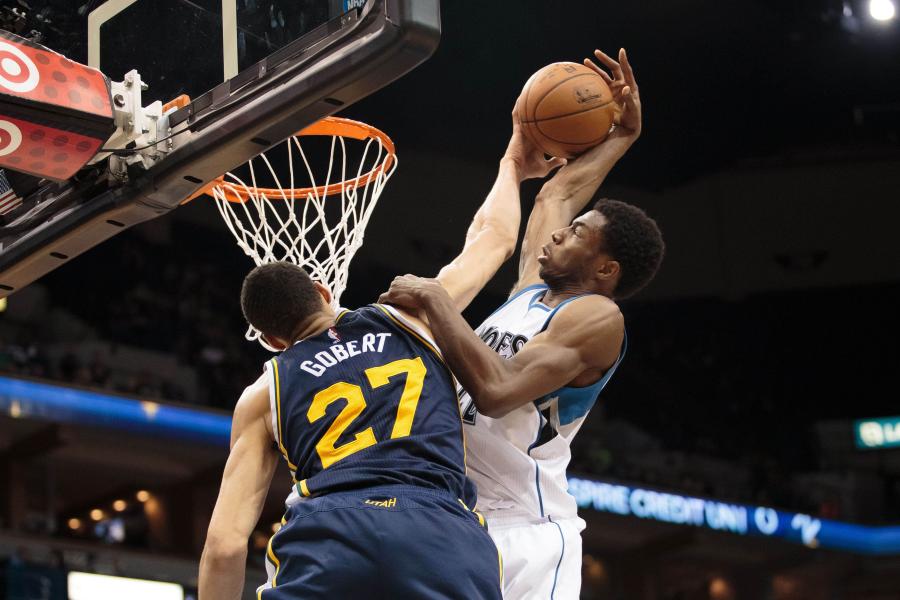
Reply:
x=409, y=291
x=624, y=89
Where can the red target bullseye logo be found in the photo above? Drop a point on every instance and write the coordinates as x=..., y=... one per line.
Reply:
x=17, y=72
x=10, y=138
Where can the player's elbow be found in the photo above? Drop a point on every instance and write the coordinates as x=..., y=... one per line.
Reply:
x=224, y=549
x=491, y=410
x=503, y=237
x=492, y=401
x=508, y=240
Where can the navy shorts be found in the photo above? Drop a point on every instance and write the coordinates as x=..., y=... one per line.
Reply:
x=387, y=542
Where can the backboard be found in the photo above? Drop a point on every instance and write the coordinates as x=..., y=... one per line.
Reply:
x=256, y=72
x=189, y=46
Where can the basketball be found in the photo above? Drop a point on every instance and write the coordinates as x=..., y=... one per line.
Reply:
x=567, y=109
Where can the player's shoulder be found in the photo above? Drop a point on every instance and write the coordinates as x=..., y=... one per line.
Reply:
x=408, y=321
x=588, y=314
x=254, y=399
x=380, y=312
x=594, y=326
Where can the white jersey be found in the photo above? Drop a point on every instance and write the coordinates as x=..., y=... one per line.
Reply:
x=519, y=461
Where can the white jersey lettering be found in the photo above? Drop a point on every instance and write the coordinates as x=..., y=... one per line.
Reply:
x=341, y=351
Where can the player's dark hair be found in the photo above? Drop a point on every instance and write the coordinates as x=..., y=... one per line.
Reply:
x=635, y=241
x=277, y=298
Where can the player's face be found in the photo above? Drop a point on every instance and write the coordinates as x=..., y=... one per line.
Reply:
x=574, y=252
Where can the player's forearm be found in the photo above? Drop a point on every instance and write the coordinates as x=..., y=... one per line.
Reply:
x=480, y=370
x=577, y=182
x=490, y=241
x=222, y=573
x=501, y=211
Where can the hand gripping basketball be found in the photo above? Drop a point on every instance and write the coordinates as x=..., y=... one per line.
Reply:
x=529, y=157
x=624, y=89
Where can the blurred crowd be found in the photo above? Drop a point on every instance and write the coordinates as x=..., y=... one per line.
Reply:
x=27, y=359
x=738, y=383
x=183, y=310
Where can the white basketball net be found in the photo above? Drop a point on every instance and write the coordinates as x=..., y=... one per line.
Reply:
x=282, y=223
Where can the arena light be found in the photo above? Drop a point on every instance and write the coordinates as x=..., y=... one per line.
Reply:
x=875, y=434
x=120, y=505
x=74, y=524
x=142, y=496
x=882, y=10
x=720, y=589
x=89, y=586
x=97, y=514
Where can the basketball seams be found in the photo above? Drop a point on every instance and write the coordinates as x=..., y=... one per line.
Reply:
x=551, y=90
x=527, y=95
x=537, y=142
x=597, y=140
x=588, y=144
x=577, y=112
x=529, y=123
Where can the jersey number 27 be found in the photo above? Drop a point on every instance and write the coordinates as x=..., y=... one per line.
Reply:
x=415, y=372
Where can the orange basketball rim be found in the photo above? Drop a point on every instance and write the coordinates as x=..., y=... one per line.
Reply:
x=327, y=127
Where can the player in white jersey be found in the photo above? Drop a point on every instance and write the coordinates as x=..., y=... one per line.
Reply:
x=536, y=366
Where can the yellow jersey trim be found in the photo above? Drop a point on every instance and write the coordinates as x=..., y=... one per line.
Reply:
x=480, y=518
x=304, y=489
x=281, y=447
x=474, y=512
x=270, y=554
x=274, y=560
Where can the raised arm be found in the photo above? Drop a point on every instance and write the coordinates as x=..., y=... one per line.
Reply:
x=248, y=474
x=564, y=196
x=583, y=340
x=492, y=236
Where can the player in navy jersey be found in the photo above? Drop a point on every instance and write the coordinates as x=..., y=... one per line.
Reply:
x=365, y=413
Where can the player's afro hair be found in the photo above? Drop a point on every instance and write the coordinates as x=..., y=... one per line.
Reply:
x=277, y=298
x=633, y=239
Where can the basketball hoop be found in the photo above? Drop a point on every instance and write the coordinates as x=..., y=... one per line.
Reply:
x=308, y=226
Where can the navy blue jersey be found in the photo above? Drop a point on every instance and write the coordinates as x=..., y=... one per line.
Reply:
x=369, y=402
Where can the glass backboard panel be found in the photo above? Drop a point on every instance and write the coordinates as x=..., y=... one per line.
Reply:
x=175, y=45
x=265, y=26
x=189, y=46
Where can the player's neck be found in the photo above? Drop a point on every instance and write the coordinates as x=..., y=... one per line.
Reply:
x=558, y=293
x=315, y=326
